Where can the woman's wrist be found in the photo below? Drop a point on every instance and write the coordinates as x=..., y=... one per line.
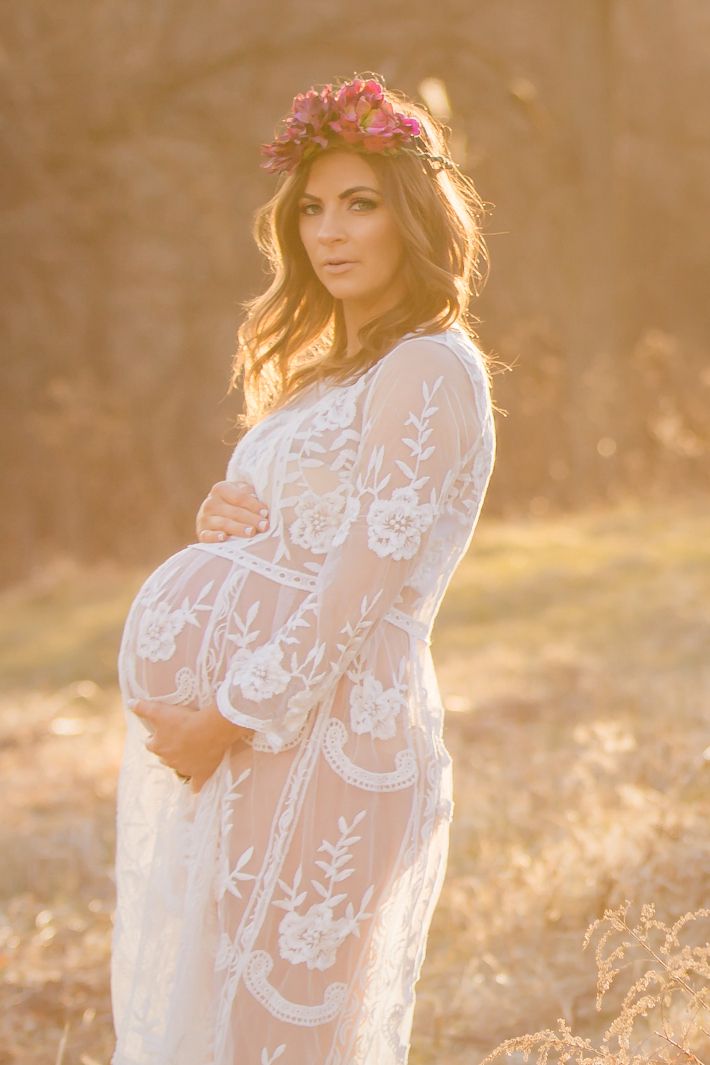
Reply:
x=218, y=730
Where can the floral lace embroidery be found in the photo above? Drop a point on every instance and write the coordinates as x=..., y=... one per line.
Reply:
x=465, y=496
x=322, y=521
x=403, y=776
x=313, y=938
x=432, y=566
x=228, y=876
x=259, y=673
x=337, y=412
x=160, y=625
x=395, y=525
x=258, y=741
x=256, y=978
x=186, y=685
x=373, y=708
x=267, y=1058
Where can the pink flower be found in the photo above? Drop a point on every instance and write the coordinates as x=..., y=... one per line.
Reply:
x=357, y=113
x=351, y=91
x=308, y=108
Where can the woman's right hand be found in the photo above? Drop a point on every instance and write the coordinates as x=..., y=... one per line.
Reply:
x=230, y=508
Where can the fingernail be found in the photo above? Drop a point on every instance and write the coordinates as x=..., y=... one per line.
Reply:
x=264, y=512
x=221, y=536
x=249, y=530
x=262, y=524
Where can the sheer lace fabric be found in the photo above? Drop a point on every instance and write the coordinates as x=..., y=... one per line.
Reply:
x=282, y=913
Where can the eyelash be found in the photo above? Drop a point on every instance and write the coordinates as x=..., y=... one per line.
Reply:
x=361, y=199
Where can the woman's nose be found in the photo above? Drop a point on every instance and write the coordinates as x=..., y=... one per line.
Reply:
x=330, y=228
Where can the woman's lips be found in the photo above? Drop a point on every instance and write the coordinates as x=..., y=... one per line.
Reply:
x=338, y=268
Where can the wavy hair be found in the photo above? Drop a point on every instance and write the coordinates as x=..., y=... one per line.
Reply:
x=294, y=332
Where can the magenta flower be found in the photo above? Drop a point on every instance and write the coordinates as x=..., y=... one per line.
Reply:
x=357, y=113
x=308, y=108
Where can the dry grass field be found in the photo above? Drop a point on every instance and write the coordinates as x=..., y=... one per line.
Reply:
x=573, y=660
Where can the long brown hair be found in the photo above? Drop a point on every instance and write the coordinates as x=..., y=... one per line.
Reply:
x=294, y=333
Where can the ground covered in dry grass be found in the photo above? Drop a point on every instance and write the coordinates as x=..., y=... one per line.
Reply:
x=573, y=660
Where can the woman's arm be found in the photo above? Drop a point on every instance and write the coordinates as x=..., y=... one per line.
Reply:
x=424, y=424
x=192, y=742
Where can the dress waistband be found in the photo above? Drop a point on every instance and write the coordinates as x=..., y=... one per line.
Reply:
x=292, y=578
x=232, y=549
x=407, y=623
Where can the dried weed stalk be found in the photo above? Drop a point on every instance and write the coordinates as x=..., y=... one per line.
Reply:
x=672, y=995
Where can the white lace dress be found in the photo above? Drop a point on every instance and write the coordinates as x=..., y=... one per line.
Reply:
x=281, y=915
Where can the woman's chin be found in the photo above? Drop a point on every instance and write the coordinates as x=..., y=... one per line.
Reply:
x=343, y=288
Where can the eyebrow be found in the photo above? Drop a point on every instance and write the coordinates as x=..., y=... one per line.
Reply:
x=342, y=195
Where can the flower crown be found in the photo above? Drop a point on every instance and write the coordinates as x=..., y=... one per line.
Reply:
x=354, y=113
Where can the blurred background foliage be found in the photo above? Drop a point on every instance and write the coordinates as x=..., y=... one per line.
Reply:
x=130, y=175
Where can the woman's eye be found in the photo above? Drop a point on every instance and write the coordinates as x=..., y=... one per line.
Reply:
x=305, y=208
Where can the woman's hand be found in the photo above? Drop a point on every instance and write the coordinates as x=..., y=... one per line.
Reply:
x=192, y=742
x=230, y=509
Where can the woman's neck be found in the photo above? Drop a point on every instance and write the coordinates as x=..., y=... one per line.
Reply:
x=357, y=314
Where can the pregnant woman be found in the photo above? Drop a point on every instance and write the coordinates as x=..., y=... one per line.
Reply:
x=285, y=795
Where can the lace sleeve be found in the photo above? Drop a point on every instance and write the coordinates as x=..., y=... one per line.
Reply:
x=423, y=419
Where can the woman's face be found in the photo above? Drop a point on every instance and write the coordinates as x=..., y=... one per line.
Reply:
x=343, y=219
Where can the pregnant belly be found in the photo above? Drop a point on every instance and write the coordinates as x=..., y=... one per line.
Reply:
x=173, y=647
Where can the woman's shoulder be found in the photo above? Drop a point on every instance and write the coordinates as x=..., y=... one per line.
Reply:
x=420, y=352
x=420, y=362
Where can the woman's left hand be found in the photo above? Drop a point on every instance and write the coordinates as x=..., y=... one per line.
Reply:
x=192, y=742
